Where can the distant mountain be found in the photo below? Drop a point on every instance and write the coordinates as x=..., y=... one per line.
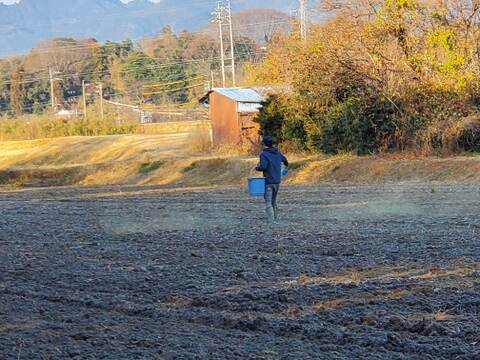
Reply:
x=22, y=25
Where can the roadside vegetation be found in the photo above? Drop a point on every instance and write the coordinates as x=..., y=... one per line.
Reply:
x=382, y=76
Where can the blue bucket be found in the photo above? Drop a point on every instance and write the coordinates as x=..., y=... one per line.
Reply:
x=256, y=186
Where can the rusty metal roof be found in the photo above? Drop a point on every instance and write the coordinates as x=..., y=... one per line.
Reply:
x=245, y=95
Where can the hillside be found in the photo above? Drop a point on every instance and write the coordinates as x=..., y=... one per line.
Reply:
x=24, y=24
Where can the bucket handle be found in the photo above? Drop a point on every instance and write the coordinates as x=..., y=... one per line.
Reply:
x=253, y=170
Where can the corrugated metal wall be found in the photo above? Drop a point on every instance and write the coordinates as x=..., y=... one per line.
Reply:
x=246, y=107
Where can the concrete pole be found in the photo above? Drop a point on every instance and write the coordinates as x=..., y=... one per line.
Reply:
x=222, y=51
x=101, y=101
x=232, y=45
x=303, y=20
x=84, y=101
x=219, y=18
x=52, y=89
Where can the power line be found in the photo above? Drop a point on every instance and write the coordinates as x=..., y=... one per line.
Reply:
x=169, y=106
x=36, y=79
x=150, y=67
x=172, y=90
x=171, y=83
x=44, y=103
x=223, y=17
x=158, y=9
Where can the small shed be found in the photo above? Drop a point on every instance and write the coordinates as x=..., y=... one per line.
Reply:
x=232, y=112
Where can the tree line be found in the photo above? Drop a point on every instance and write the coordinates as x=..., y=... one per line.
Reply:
x=123, y=68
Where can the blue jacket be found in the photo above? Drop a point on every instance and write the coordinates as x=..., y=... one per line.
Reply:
x=271, y=164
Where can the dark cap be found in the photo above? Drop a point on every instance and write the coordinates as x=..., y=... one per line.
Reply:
x=268, y=141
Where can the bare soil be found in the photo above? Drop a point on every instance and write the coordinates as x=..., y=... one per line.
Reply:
x=352, y=272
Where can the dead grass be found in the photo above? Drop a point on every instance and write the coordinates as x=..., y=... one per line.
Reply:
x=133, y=159
x=200, y=141
x=316, y=169
x=236, y=149
x=217, y=171
x=362, y=299
x=76, y=151
x=385, y=275
x=269, y=354
x=441, y=316
x=173, y=127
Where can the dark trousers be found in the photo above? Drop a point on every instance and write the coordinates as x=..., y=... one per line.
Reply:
x=271, y=193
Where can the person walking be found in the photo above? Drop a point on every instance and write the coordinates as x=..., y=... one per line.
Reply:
x=271, y=165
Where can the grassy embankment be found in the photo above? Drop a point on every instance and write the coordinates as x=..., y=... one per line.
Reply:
x=165, y=159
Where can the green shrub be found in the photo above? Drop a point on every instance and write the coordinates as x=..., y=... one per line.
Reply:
x=355, y=124
x=190, y=167
x=147, y=168
x=277, y=120
x=469, y=136
x=272, y=117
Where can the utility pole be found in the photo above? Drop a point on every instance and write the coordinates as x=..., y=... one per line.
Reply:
x=118, y=115
x=303, y=20
x=52, y=89
x=212, y=80
x=232, y=45
x=222, y=56
x=101, y=100
x=218, y=18
x=84, y=101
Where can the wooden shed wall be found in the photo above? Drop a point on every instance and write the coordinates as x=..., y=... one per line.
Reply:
x=225, y=121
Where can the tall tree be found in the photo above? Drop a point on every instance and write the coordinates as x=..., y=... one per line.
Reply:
x=18, y=93
x=6, y=67
x=99, y=63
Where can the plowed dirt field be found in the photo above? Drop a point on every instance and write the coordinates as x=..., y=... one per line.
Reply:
x=352, y=272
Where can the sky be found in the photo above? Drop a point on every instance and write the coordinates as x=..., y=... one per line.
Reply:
x=8, y=2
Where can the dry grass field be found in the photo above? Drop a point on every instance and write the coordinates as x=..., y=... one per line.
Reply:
x=183, y=159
